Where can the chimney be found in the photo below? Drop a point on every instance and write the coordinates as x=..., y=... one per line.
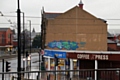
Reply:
x=81, y=4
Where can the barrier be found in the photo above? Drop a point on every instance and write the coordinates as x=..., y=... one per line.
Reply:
x=84, y=74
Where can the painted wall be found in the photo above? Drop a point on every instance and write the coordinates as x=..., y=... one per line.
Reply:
x=77, y=25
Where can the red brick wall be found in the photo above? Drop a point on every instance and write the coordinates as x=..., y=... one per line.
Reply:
x=2, y=33
x=14, y=43
x=113, y=46
x=6, y=38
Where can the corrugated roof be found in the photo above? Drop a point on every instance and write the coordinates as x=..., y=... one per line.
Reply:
x=51, y=15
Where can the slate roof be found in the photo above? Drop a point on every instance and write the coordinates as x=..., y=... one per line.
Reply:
x=51, y=15
x=103, y=20
x=110, y=41
x=109, y=35
x=4, y=29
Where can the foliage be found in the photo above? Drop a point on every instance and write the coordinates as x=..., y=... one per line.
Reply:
x=36, y=41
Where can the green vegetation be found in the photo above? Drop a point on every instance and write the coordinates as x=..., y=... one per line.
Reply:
x=36, y=41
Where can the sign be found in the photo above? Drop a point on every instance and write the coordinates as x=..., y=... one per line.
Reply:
x=93, y=56
x=42, y=52
x=51, y=53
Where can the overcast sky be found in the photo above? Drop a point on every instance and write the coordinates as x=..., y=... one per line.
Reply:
x=105, y=9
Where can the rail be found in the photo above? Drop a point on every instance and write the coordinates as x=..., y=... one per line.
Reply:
x=82, y=74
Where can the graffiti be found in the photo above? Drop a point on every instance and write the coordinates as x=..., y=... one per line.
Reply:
x=63, y=45
x=52, y=44
x=59, y=45
x=68, y=45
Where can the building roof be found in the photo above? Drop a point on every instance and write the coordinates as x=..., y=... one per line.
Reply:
x=109, y=35
x=4, y=29
x=51, y=15
x=110, y=41
x=103, y=20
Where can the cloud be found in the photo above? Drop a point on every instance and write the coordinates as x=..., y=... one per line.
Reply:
x=106, y=9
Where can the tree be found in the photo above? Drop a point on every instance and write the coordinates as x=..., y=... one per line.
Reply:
x=25, y=36
x=36, y=41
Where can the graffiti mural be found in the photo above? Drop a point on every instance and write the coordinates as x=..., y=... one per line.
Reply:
x=69, y=45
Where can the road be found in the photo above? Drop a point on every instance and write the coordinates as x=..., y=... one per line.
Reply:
x=34, y=66
x=13, y=61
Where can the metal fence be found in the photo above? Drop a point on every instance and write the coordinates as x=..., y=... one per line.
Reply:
x=82, y=74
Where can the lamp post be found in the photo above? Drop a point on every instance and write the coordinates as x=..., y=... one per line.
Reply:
x=30, y=39
x=23, y=40
x=19, y=41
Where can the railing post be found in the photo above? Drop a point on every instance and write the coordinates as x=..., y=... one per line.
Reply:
x=3, y=69
x=96, y=67
x=119, y=73
x=38, y=75
x=55, y=72
x=48, y=77
x=71, y=68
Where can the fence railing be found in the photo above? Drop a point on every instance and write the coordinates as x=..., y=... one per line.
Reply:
x=82, y=74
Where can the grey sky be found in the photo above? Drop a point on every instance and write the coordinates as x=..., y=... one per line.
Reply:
x=106, y=9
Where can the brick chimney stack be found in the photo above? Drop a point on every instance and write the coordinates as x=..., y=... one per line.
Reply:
x=81, y=4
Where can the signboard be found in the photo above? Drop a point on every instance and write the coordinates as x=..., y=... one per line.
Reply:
x=93, y=56
x=51, y=53
x=90, y=56
x=42, y=52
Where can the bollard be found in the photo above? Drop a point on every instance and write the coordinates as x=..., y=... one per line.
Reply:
x=12, y=78
x=37, y=77
x=48, y=77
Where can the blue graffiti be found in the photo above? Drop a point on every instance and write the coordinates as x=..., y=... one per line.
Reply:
x=52, y=44
x=59, y=45
x=63, y=45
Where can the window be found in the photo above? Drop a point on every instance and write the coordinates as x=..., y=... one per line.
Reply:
x=0, y=39
x=3, y=39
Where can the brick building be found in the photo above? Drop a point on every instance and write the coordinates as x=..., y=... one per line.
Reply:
x=113, y=42
x=5, y=38
x=75, y=29
x=83, y=37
